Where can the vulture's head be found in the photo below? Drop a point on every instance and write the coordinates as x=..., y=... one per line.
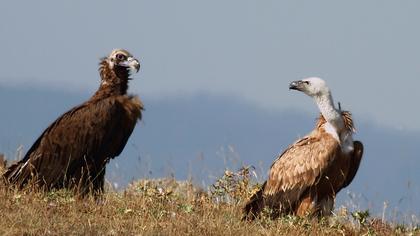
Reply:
x=122, y=59
x=121, y=62
x=312, y=86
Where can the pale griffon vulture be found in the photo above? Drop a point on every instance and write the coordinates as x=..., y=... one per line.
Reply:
x=307, y=176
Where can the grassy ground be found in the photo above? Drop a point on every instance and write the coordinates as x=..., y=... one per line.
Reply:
x=166, y=207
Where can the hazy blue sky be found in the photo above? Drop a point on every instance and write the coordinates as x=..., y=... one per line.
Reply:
x=368, y=51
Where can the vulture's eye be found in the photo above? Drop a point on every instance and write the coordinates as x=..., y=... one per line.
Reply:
x=306, y=82
x=120, y=56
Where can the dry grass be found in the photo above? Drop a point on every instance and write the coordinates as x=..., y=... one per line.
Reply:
x=165, y=207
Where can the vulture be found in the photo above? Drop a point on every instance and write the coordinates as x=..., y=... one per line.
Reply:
x=74, y=150
x=307, y=176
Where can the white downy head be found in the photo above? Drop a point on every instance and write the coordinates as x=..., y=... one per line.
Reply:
x=317, y=89
x=313, y=87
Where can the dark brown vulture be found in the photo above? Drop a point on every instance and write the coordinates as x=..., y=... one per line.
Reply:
x=307, y=176
x=74, y=150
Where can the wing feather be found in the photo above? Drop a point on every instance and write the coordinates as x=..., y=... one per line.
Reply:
x=89, y=134
x=354, y=163
x=300, y=166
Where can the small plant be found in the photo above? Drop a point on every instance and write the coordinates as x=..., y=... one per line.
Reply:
x=187, y=208
x=232, y=187
x=361, y=216
x=400, y=228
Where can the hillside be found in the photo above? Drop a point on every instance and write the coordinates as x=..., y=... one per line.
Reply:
x=168, y=207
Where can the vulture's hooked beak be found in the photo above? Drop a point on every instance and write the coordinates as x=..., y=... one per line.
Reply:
x=131, y=63
x=296, y=85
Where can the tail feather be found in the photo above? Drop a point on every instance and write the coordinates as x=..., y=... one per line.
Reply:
x=355, y=162
x=16, y=175
x=254, y=206
x=9, y=172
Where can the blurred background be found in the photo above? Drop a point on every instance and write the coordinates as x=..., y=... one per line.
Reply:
x=214, y=81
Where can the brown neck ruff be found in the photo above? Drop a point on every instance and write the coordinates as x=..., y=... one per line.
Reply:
x=114, y=81
x=348, y=121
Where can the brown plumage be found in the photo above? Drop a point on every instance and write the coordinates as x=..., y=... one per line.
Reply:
x=306, y=177
x=74, y=150
x=303, y=182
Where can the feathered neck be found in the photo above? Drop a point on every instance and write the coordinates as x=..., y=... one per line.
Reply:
x=348, y=121
x=325, y=104
x=114, y=81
